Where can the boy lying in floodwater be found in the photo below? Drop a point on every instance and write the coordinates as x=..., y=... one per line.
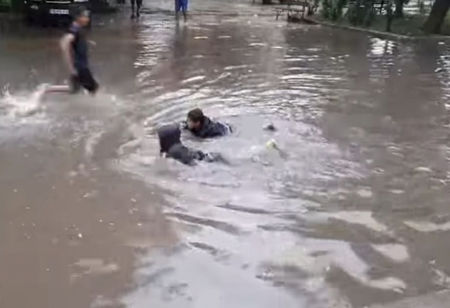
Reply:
x=203, y=127
x=171, y=146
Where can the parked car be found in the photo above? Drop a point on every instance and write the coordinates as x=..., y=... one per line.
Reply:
x=48, y=12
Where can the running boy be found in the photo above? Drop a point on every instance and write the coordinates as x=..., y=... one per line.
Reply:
x=75, y=53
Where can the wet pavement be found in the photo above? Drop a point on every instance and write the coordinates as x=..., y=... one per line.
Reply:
x=354, y=213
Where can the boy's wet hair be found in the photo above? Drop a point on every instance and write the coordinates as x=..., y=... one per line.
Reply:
x=168, y=135
x=196, y=115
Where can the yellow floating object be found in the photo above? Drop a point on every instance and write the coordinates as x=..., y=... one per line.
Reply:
x=271, y=144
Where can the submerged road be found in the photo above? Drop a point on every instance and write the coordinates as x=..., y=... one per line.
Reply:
x=354, y=215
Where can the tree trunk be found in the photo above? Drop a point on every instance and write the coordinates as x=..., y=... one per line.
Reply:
x=398, y=13
x=437, y=16
x=389, y=16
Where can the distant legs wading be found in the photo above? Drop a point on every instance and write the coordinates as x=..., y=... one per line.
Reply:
x=136, y=8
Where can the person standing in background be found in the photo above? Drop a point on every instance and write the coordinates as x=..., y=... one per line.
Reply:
x=181, y=6
x=74, y=47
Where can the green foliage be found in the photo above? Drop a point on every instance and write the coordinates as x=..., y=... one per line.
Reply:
x=337, y=12
x=360, y=12
x=422, y=8
x=353, y=13
x=383, y=15
x=332, y=9
x=326, y=9
x=369, y=15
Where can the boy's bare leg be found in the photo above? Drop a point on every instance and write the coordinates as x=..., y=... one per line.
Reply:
x=58, y=89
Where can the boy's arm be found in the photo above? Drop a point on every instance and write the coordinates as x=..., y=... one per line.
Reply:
x=66, y=43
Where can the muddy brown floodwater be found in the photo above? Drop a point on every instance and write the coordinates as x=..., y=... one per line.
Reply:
x=355, y=213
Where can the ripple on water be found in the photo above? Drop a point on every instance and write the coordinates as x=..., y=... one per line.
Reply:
x=395, y=252
x=193, y=79
x=319, y=257
x=427, y=226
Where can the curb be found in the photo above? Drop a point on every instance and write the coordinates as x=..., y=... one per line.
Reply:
x=377, y=33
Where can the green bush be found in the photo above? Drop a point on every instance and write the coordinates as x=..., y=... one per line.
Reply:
x=332, y=9
x=326, y=9
x=361, y=12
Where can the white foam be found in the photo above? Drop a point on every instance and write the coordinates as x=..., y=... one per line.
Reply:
x=362, y=218
x=423, y=169
x=365, y=192
x=22, y=105
x=395, y=252
x=427, y=226
x=257, y=44
x=193, y=79
x=91, y=143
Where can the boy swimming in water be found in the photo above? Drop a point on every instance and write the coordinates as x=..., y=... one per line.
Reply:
x=75, y=53
x=171, y=146
x=203, y=127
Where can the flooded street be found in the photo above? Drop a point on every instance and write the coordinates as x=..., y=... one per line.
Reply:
x=352, y=212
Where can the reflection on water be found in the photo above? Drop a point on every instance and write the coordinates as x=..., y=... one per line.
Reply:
x=354, y=213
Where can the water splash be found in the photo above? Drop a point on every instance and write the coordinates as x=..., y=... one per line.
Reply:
x=22, y=105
